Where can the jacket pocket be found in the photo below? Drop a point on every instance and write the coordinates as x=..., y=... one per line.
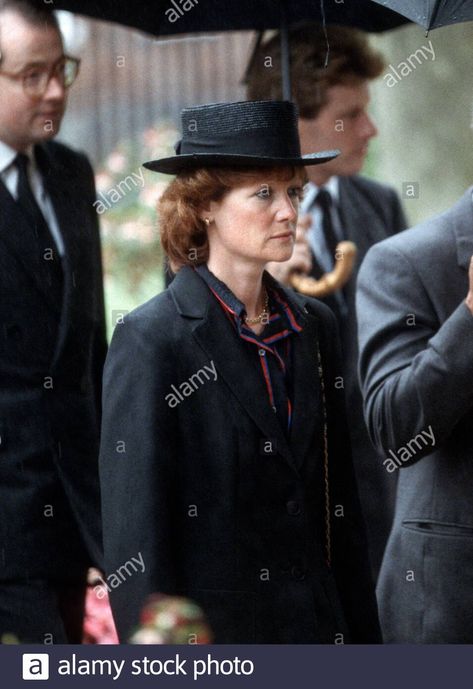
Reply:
x=432, y=527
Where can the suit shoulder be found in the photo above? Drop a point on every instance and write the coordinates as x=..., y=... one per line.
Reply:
x=158, y=308
x=152, y=327
x=371, y=187
x=66, y=155
x=433, y=236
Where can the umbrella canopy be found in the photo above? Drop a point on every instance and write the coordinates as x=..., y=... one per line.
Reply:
x=432, y=13
x=167, y=17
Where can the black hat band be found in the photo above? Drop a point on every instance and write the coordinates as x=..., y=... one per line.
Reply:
x=252, y=143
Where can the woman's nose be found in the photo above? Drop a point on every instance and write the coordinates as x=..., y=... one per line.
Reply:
x=288, y=208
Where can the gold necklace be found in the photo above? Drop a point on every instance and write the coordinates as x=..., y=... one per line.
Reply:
x=264, y=313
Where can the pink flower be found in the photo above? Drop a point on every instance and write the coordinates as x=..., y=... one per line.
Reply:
x=116, y=162
x=150, y=137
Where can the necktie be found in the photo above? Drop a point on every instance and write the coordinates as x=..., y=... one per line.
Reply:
x=324, y=201
x=47, y=260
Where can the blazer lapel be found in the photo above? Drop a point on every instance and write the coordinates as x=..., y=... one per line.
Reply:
x=238, y=369
x=307, y=403
x=358, y=217
x=61, y=187
x=15, y=235
x=359, y=221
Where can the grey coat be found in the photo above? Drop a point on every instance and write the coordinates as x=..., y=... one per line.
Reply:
x=416, y=368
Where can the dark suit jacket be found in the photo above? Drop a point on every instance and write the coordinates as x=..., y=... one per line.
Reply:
x=50, y=372
x=370, y=212
x=222, y=507
x=416, y=367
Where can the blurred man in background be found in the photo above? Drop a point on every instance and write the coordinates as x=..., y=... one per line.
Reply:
x=52, y=340
x=333, y=99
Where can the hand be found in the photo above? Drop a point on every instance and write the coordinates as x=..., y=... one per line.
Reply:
x=94, y=576
x=301, y=259
x=469, y=296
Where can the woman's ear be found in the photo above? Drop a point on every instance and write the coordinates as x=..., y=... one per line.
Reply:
x=206, y=216
x=205, y=213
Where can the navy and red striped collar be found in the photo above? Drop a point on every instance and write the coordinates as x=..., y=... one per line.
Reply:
x=284, y=310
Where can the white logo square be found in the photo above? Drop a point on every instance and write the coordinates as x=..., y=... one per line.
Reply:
x=35, y=666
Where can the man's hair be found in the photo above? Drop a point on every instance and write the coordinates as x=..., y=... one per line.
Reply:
x=350, y=59
x=36, y=14
x=183, y=232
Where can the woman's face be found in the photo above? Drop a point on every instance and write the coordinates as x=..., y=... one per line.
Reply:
x=255, y=221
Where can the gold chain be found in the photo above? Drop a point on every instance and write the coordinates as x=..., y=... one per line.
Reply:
x=264, y=312
x=328, y=538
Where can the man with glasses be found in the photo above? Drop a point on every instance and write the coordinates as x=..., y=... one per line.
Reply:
x=52, y=340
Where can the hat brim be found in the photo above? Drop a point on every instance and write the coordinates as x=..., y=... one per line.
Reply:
x=192, y=161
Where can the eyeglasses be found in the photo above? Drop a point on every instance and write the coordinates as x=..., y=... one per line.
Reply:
x=35, y=80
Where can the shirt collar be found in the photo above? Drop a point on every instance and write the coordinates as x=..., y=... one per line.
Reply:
x=311, y=191
x=230, y=301
x=286, y=306
x=8, y=155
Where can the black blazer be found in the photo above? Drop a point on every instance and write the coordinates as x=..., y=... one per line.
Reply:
x=50, y=372
x=210, y=493
x=370, y=212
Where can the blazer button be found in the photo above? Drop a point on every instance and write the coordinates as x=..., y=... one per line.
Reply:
x=297, y=573
x=293, y=508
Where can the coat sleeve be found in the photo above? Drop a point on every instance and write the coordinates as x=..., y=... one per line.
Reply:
x=350, y=558
x=415, y=372
x=137, y=464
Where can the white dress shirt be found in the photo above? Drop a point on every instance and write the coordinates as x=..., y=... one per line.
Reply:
x=9, y=176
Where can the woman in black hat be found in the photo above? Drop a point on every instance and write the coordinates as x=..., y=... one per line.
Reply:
x=225, y=460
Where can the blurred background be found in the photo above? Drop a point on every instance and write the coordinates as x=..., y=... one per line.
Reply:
x=124, y=109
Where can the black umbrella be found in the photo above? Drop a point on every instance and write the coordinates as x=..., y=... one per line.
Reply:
x=168, y=17
x=432, y=13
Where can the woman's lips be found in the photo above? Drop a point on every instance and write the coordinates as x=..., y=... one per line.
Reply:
x=286, y=235
x=52, y=114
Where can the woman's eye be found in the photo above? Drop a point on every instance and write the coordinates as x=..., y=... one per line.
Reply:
x=264, y=193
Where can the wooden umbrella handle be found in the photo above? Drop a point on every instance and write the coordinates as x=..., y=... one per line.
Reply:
x=330, y=282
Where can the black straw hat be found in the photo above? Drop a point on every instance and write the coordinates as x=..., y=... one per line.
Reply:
x=247, y=133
